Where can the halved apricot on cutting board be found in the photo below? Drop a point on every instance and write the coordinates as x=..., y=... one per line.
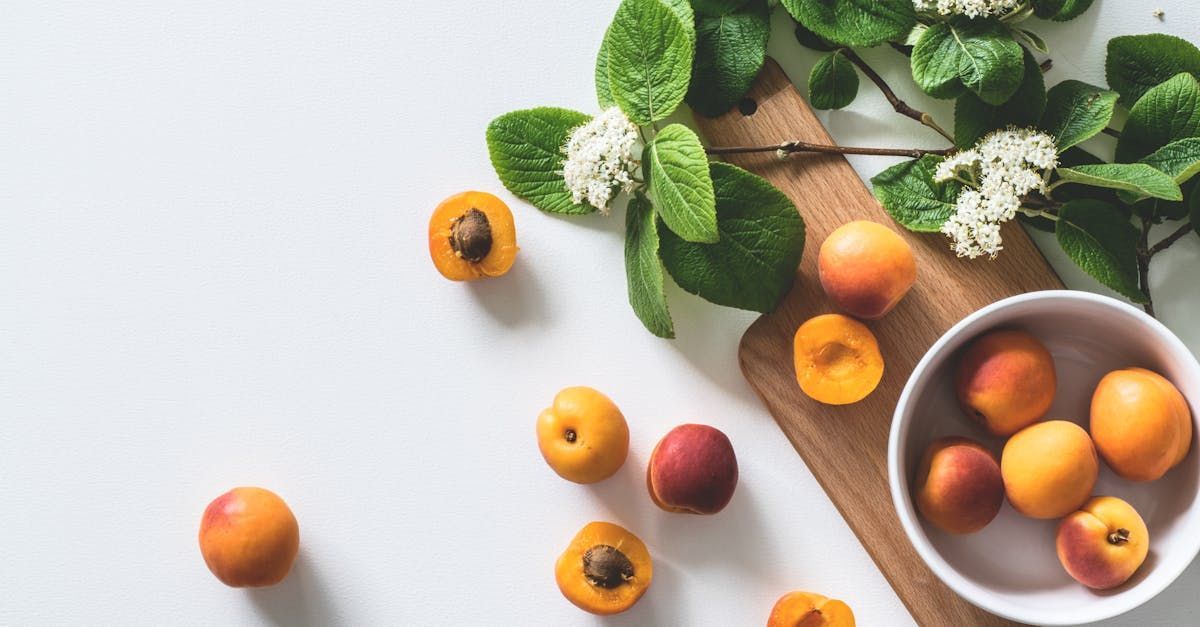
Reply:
x=837, y=359
x=605, y=570
x=472, y=236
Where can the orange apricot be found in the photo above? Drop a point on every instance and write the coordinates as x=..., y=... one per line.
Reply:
x=1006, y=381
x=837, y=359
x=472, y=236
x=806, y=609
x=1141, y=423
x=1049, y=469
x=605, y=569
x=866, y=268
x=583, y=436
x=249, y=538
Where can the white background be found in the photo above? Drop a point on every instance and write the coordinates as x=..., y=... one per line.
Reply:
x=215, y=273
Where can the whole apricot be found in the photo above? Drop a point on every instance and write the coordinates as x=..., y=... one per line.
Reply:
x=249, y=538
x=583, y=436
x=1103, y=543
x=693, y=470
x=806, y=609
x=472, y=236
x=605, y=569
x=1141, y=423
x=959, y=487
x=1006, y=381
x=1049, y=469
x=866, y=268
x=837, y=359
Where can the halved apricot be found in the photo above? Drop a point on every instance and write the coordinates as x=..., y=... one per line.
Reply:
x=605, y=570
x=806, y=609
x=472, y=236
x=837, y=359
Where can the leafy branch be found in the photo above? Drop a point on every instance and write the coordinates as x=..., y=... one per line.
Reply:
x=793, y=147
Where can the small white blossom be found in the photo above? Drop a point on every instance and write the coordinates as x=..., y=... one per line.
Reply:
x=999, y=172
x=967, y=8
x=601, y=157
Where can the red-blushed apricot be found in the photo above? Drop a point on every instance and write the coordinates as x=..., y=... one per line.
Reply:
x=605, y=569
x=837, y=359
x=1049, y=469
x=583, y=436
x=1141, y=423
x=249, y=538
x=1103, y=544
x=472, y=236
x=1006, y=381
x=807, y=609
x=866, y=268
x=959, y=487
x=692, y=470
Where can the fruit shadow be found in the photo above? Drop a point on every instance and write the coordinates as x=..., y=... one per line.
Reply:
x=515, y=299
x=660, y=603
x=301, y=600
x=709, y=337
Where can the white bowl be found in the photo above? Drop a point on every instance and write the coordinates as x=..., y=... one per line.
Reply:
x=1010, y=568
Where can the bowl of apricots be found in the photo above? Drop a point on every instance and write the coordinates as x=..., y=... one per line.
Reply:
x=1042, y=458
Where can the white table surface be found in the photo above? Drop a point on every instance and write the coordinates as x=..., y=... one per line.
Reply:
x=215, y=273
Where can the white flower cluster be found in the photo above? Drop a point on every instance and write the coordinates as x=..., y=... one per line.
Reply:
x=601, y=159
x=1001, y=170
x=968, y=8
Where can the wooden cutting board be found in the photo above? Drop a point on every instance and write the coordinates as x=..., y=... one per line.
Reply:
x=846, y=447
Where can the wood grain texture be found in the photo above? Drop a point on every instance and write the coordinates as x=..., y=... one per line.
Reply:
x=846, y=447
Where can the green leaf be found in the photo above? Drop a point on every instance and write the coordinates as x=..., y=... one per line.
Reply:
x=1072, y=9
x=1076, y=112
x=1138, y=178
x=855, y=22
x=716, y=8
x=1046, y=9
x=643, y=269
x=1138, y=63
x=526, y=151
x=762, y=239
x=978, y=54
x=1034, y=40
x=1180, y=159
x=1099, y=238
x=678, y=182
x=683, y=10
x=650, y=53
x=812, y=41
x=909, y=194
x=974, y=118
x=833, y=83
x=1168, y=112
x=604, y=93
x=730, y=51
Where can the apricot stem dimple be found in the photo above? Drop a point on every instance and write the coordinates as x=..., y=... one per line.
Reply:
x=1120, y=536
x=570, y=436
x=606, y=567
x=471, y=236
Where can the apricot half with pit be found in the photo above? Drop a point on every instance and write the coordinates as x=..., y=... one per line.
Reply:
x=472, y=236
x=806, y=609
x=249, y=538
x=1006, y=381
x=837, y=359
x=583, y=436
x=1141, y=423
x=605, y=569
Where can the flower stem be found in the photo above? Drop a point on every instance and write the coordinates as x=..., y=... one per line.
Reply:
x=788, y=148
x=1171, y=239
x=1143, y=263
x=901, y=107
